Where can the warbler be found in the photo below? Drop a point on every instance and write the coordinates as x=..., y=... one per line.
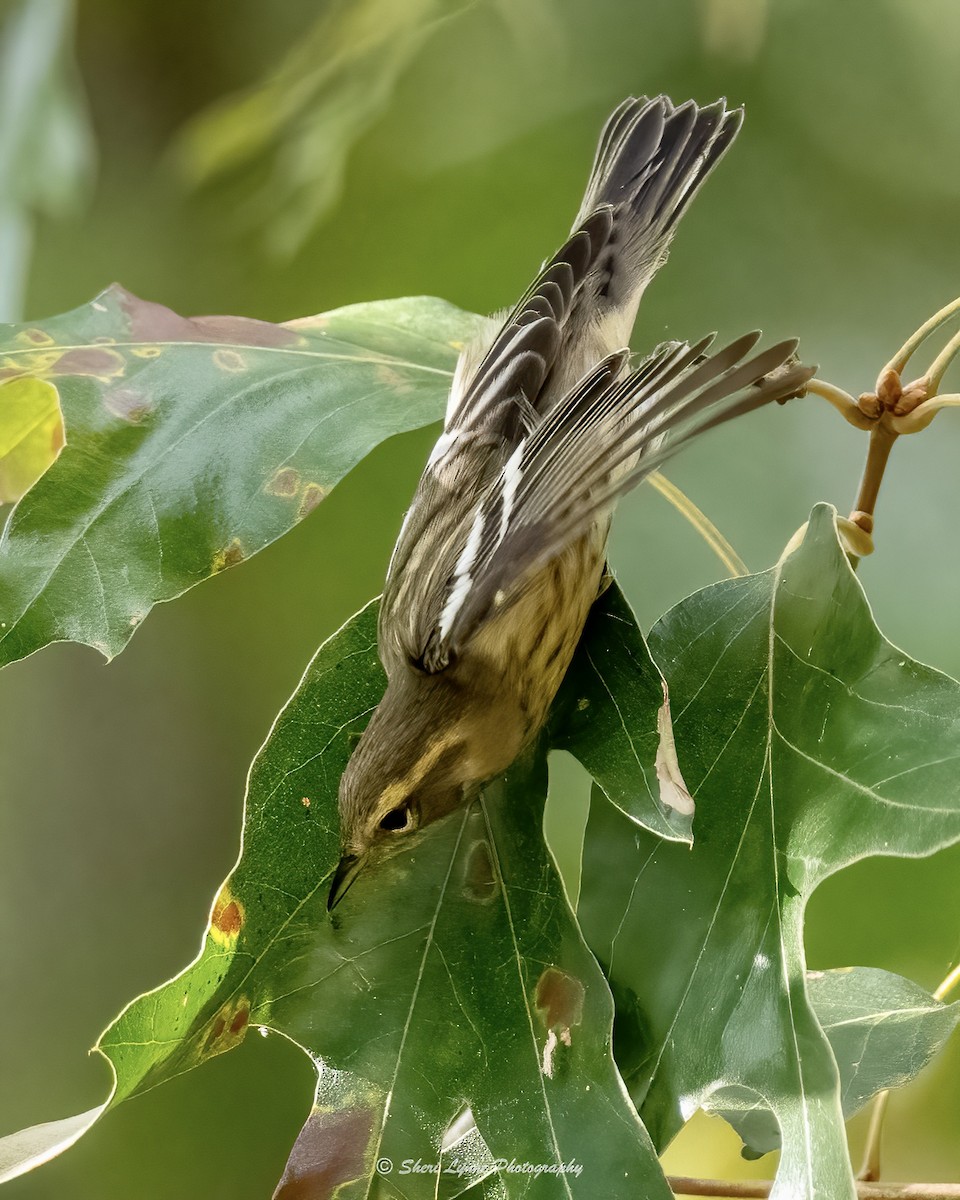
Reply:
x=502, y=552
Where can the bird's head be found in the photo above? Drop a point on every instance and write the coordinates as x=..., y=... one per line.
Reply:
x=400, y=778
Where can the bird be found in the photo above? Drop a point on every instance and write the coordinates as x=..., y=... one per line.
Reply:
x=503, y=550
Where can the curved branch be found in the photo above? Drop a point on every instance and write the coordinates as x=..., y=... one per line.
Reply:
x=747, y=1189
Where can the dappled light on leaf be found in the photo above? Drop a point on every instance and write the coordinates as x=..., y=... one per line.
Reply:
x=882, y=1029
x=31, y=434
x=268, y=417
x=809, y=742
x=613, y=714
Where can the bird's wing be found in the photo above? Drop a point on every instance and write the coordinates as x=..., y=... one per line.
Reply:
x=492, y=409
x=511, y=407
x=602, y=439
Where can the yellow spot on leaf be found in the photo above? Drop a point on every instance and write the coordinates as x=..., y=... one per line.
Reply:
x=313, y=493
x=229, y=360
x=284, y=482
x=305, y=801
x=227, y=918
x=34, y=337
x=100, y=362
x=228, y=557
x=228, y=1028
x=147, y=351
x=37, y=363
x=31, y=434
x=393, y=380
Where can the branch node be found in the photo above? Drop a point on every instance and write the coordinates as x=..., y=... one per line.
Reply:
x=911, y=396
x=870, y=404
x=888, y=388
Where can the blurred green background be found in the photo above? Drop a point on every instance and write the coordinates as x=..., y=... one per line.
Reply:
x=409, y=147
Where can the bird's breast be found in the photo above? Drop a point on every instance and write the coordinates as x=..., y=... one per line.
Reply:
x=524, y=653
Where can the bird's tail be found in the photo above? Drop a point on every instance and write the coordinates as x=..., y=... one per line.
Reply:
x=652, y=159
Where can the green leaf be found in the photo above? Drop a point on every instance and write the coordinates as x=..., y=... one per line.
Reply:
x=883, y=1030
x=613, y=714
x=809, y=742
x=450, y=987
x=192, y=444
x=31, y=434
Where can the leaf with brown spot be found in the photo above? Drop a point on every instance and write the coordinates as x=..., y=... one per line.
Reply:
x=229, y=556
x=415, y=1000
x=313, y=493
x=331, y=1149
x=227, y=918
x=127, y=403
x=286, y=482
x=101, y=363
x=180, y=433
x=559, y=999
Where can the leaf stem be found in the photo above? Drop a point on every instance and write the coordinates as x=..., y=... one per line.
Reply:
x=683, y=1185
x=870, y=1167
x=878, y=453
x=903, y=355
x=731, y=560
x=947, y=984
x=842, y=401
x=938, y=368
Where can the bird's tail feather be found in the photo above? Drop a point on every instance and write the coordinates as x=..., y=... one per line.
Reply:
x=652, y=159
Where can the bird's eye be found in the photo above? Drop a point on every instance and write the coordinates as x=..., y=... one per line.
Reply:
x=396, y=820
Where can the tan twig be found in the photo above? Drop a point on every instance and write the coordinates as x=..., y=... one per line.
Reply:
x=946, y=985
x=938, y=368
x=913, y=342
x=683, y=1185
x=878, y=452
x=842, y=401
x=921, y=416
x=870, y=1166
x=731, y=560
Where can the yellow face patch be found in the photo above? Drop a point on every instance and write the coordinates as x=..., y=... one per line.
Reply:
x=395, y=793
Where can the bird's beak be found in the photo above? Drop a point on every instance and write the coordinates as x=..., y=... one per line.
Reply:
x=347, y=870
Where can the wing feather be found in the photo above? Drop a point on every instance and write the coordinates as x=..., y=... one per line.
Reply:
x=603, y=439
x=542, y=430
